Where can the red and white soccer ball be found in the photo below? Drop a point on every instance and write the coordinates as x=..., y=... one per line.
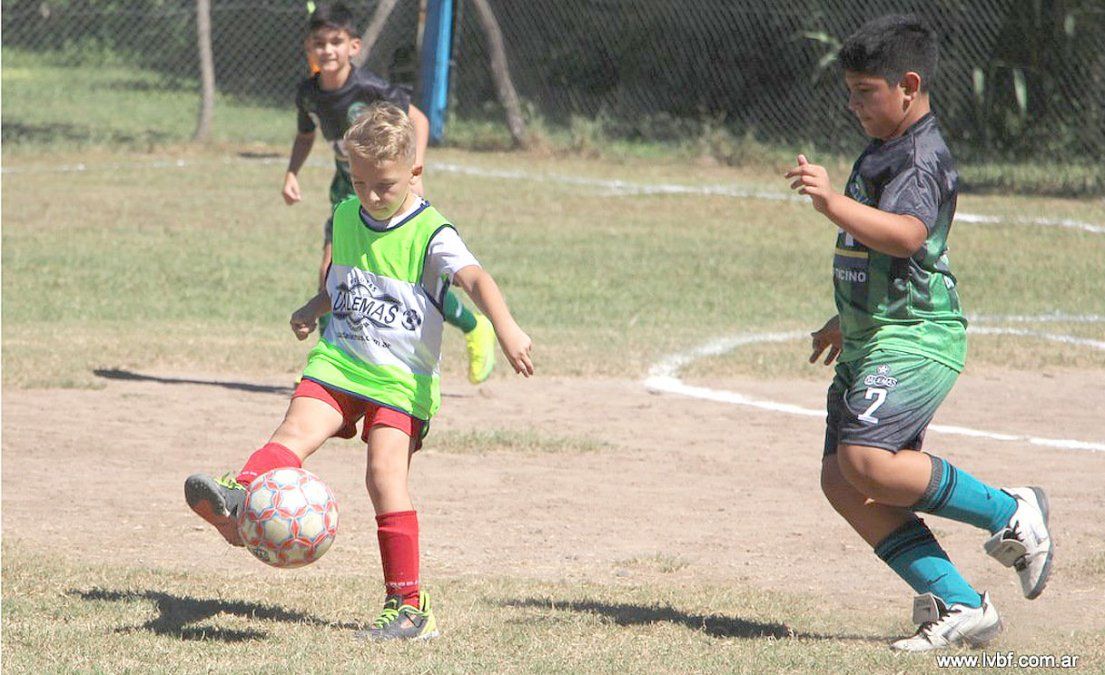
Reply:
x=289, y=518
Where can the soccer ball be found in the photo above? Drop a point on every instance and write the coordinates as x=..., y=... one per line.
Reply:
x=289, y=518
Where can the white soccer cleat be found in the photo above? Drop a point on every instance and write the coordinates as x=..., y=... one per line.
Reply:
x=942, y=627
x=1025, y=544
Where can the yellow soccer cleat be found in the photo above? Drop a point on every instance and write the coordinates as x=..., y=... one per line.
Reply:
x=480, y=342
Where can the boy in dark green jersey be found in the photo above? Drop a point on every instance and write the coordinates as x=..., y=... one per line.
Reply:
x=900, y=341
x=332, y=99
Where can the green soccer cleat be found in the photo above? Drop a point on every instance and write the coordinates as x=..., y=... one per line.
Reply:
x=402, y=622
x=218, y=501
x=480, y=342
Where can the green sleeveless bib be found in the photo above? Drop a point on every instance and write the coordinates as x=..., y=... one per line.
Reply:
x=383, y=342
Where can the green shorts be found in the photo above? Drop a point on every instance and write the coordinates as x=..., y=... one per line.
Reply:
x=341, y=188
x=885, y=400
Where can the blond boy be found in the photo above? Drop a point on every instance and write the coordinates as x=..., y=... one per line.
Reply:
x=394, y=258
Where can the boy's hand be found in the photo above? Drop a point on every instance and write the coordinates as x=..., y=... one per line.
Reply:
x=516, y=345
x=303, y=322
x=829, y=337
x=812, y=180
x=291, y=190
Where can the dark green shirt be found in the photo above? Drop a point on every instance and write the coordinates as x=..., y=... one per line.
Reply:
x=903, y=304
x=336, y=110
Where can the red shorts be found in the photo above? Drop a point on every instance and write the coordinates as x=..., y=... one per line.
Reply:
x=352, y=409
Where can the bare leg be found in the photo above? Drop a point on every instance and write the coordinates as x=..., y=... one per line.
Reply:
x=898, y=537
x=306, y=426
x=389, y=453
x=891, y=478
x=873, y=521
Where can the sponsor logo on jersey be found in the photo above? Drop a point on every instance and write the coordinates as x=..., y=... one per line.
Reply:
x=850, y=264
x=854, y=276
x=881, y=378
x=858, y=191
x=356, y=110
x=360, y=301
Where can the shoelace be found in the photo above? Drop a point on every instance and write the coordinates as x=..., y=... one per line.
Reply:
x=387, y=616
x=928, y=627
x=228, y=481
x=1020, y=563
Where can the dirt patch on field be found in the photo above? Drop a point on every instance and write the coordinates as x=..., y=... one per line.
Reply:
x=677, y=489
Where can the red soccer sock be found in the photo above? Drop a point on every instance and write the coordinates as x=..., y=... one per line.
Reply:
x=271, y=456
x=398, y=535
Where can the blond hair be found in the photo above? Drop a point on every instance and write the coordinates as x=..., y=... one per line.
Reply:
x=382, y=133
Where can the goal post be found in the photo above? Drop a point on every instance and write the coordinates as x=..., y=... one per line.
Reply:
x=433, y=80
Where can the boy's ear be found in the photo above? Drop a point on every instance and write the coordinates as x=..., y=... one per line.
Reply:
x=416, y=171
x=911, y=83
x=355, y=45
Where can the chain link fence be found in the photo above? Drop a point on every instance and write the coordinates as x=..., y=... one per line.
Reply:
x=1017, y=79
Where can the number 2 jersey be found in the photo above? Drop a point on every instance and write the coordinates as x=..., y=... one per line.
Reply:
x=903, y=304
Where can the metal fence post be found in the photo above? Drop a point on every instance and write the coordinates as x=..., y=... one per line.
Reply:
x=433, y=73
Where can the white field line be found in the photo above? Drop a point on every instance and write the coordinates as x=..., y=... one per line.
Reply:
x=664, y=377
x=612, y=187
x=628, y=188
x=1054, y=317
x=1053, y=337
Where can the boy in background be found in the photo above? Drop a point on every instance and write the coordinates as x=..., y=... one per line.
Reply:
x=332, y=98
x=395, y=257
x=900, y=336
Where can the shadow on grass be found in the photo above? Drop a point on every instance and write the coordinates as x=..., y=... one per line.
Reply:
x=130, y=376
x=159, y=86
x=176, y=612
x=254, y=154
x=19, y=132
x=117, y=374
x=714, y=625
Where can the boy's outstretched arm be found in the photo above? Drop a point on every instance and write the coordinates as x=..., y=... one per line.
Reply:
x=305, y=319
x=301, y=148
x=483, y=290
x=421, y=125
x=890, y=233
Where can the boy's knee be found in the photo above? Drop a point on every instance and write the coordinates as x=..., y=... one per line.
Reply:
x=833, y=485
x=292, y=428
x=861, y=465
x=384, y=474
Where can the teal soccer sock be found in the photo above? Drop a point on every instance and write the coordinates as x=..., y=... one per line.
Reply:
x=915, y=556
x=457, y=314
x=956, y=494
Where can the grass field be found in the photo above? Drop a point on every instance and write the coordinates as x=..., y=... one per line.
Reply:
x=210, y=255
x=164, y=259
x=497, y=625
